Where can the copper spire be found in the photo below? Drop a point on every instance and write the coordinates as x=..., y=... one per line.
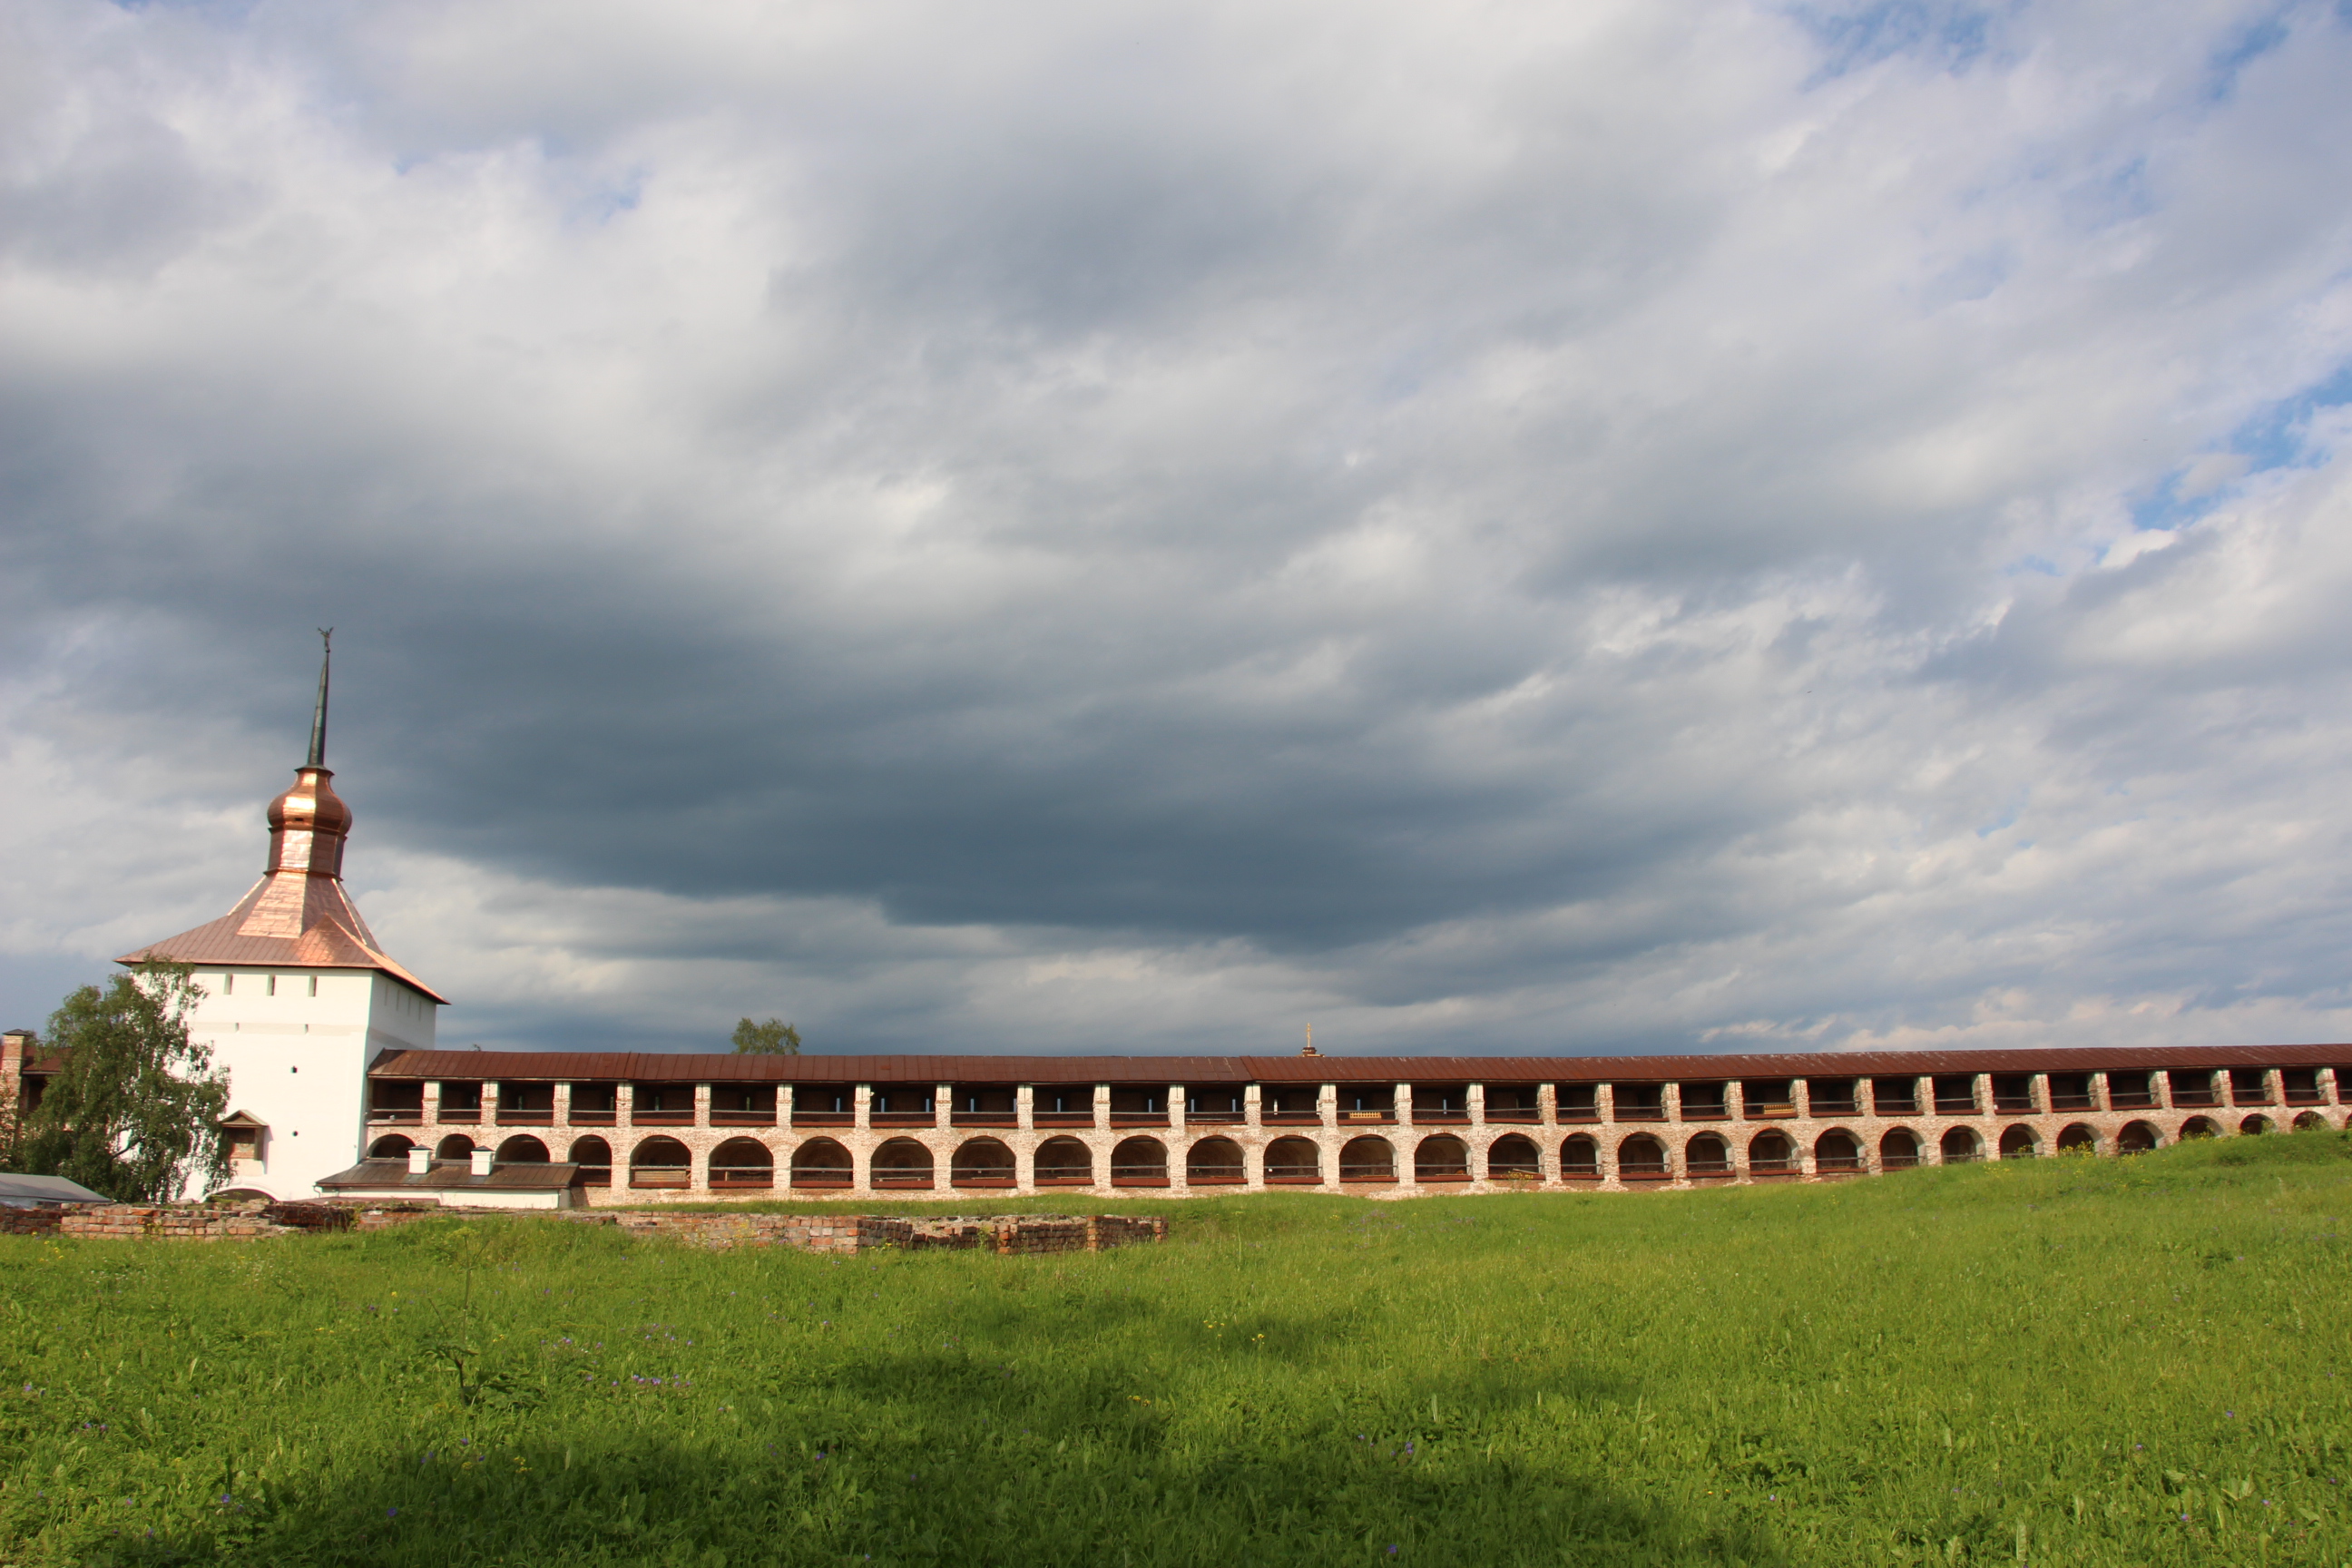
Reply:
x=307, y=823
x=298, y=913
x=319, y=715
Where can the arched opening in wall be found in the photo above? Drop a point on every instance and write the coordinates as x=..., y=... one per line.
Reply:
x=1215, y=1163
x=2018, y=1142
x=740, y=1164
x=1065, y=1163
x=981, y=1162
x=1368, y=1159
x=594, y=1158
x=2199, y=1127
x=1707, y=1158
x=1641, y=1158
x=2253, y=1126
x=455, y=1147
x=392, y=1148
x=660, y=1163
x=1960, y=1146
x=900, y=1164
x=822, y=1162
x=1293, y=1162
x=2078, y=1137
x=1514, y=1159
x=1443, y=1158
x=1898, y=1151
x=2137, y=1138
x=1580, y=1160
x=1139, y=1163
x=1836, y=1151
x=1771, y=1154
x=2311, y=1122
x=522, y=1149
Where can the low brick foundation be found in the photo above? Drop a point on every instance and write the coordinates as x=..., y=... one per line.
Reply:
x=30, y=1222
x=1006, y=1234
x=847, y=1234
x=135, y=1222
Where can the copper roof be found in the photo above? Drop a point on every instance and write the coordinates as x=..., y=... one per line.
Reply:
x=716, y=1067
x=297, y=916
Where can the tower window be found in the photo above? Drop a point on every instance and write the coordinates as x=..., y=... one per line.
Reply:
x=314, y=985
x=228, y=984
x=273, y=985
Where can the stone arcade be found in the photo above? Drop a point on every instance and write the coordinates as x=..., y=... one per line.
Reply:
x=647, y=1127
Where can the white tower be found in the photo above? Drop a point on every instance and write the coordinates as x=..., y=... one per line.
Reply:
x=299, y=998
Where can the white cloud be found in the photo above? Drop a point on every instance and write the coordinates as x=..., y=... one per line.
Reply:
x=1061, y=528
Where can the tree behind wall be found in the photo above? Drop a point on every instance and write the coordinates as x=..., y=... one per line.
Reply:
x=773, y=1038
x=133, y=1109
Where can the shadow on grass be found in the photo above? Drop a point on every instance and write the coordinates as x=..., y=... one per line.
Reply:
x=797, y=1496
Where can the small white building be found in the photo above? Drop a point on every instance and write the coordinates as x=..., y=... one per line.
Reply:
x=298, y=996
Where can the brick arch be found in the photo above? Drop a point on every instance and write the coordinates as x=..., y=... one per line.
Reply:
x=1139, y=1162
x=1295, y=1162
x=2078, y=1137
x=1368, y=1159
x=660, y=1163
x=822, y=1163
x=2310, y=1122
x=522, y=1149
x=1441, y=1157
x=1960, y=1145
x=2199, y=1127
x=742, y=1164
x=1643, y=1158
x=457, y=1146
x=1899, y=1150
x=1215, y=1161
x=2253, y=1126
x=1837, y=1150
x=1579, y=1158
x=1064, y=1162
x=394, y=1147
x=2138, y=1138
x=1772, y=1152
x=594, y=1158
x=2018, y=1142
x=902, y=1165
x=1514, y=1159
x=1706, y=1157
x=982, y=1163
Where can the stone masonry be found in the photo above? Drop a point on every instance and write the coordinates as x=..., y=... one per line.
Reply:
x=1384, y=1128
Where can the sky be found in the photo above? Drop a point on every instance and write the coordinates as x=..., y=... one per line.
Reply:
x=1050, y=527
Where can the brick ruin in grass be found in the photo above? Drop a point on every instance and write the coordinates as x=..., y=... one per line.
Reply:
x=1007, y=1235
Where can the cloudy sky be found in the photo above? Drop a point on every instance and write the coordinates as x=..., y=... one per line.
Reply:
x=1065, y=527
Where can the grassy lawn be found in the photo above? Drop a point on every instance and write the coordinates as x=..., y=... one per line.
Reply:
x=2059, y=1362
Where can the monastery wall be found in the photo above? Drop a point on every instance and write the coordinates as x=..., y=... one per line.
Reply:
x=1604, y=1136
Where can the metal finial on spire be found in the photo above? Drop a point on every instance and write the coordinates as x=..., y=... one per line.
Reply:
x=318, y=717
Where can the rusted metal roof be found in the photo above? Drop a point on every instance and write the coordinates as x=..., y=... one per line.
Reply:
x=655, y=1067
x=391, y=1175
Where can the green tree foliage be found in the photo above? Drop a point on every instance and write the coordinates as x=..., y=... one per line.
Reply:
x=773, y=1038
x=132, y=1111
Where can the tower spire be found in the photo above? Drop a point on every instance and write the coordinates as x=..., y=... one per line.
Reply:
x=319, y=715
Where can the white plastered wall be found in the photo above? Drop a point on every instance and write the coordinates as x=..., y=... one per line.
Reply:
x=296, y=1054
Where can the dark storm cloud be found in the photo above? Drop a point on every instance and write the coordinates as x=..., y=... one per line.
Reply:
x=1054, y=530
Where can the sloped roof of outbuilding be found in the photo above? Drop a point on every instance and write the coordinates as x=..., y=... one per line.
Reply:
x=389, y=1176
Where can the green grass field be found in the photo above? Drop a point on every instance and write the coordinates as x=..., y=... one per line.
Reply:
x=2061, y=1362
